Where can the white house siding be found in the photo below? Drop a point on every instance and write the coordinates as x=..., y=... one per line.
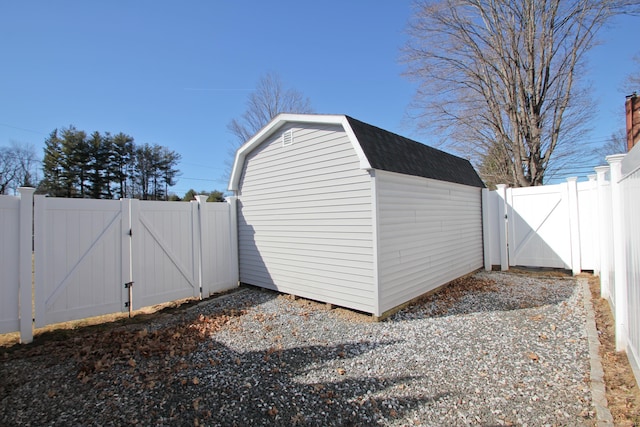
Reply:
x=429, y=233
x=304, y=218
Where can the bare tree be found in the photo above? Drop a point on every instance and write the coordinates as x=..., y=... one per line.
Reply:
x=269, y=99
x=17, y=167
x=498, y=78
x=632, y=83
x=8, y=169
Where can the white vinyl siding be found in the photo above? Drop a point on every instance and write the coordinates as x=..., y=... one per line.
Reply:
x=304, y=218
x=429, y=233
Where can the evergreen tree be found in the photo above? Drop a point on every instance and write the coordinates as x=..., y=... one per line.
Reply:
x=52, y=165
x=76, y=157
x=121, y=164
x=106, y=166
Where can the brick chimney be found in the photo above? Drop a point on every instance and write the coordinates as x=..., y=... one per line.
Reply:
x=632, y=113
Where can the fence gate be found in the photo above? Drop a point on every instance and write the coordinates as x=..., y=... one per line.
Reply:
x=165, y=252
x=87, y=250
x=82, y=250
x=539, y=227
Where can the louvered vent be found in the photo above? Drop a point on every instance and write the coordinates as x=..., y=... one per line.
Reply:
x=287, y=138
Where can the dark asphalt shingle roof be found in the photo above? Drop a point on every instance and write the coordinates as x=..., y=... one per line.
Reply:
x=394, y=153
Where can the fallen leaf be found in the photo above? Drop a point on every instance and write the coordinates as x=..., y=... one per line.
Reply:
x=132, y=363
x=273, y=411
x=533, y=356
x=341, y=371
x=195, y=381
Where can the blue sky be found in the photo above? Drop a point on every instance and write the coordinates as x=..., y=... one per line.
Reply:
x=175, y=73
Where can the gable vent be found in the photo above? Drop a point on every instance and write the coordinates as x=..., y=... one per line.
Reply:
x=287, y=138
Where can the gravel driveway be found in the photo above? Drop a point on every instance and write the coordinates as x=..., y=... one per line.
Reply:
x=493, y=349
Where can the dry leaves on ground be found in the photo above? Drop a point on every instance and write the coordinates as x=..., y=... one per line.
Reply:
x=623, y=395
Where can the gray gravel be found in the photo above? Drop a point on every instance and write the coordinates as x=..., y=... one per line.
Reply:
x=511, y=352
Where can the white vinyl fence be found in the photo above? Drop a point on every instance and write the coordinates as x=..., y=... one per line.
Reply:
x=16, y=215
x=593, y=225
x=623, y=281
x=548, y=226
x=94, y=257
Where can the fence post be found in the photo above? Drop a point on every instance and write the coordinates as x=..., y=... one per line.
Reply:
x=233, y=229
x=486, y=227
x=574, y=225
x=595, y=223
x=26, y=264
x=132, y=246
x=501, y=191
x=203, y=244
x=619, y=252
x=604, y=235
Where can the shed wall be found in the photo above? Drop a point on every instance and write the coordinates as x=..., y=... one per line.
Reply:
x=305, y=218
x=429, y=233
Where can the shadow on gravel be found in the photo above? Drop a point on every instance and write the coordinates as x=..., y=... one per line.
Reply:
x=68, y=334
x=179, y=376
x=485, y=292
x=271, y=388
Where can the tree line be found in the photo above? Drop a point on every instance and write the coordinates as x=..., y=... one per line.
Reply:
x=106, y=166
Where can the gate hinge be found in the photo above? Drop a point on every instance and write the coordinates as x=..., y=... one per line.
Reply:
x=128, y=285
x=126, y=304
x=130, y=232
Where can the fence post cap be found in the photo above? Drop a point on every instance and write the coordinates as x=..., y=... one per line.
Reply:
x=26, y=190
x=615, y=158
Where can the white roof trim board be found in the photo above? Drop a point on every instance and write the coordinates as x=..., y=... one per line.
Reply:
x=281, y=120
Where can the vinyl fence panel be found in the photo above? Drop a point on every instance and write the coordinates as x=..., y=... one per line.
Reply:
x=539, y=226
x=219, y=264
x=9, y=263
x=588, y=224
x=630, y=192
x=79, y=258
x=165, y=253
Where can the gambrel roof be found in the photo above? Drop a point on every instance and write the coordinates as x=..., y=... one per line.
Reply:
x=376, y=148
x=394, y=153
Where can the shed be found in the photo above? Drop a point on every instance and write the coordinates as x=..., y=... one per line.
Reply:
x=340, y=211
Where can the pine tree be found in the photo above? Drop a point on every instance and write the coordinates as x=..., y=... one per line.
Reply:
x=52, y=165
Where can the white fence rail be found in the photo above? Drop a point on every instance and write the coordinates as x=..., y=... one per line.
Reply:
x=94, y=257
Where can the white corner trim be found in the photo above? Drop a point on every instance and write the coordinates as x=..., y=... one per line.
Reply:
x=364, y=162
